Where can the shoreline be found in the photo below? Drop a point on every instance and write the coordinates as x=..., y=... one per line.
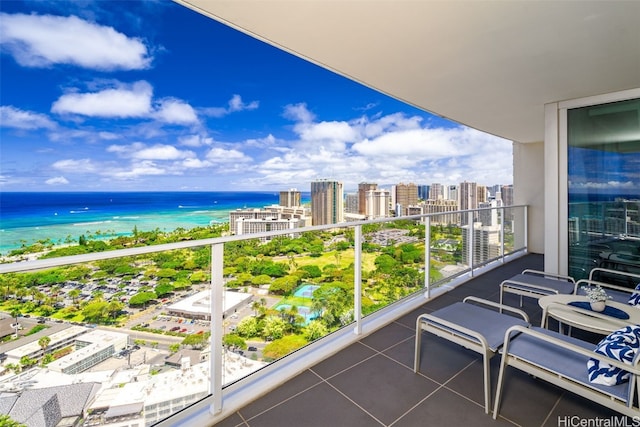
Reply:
x=32, y=256
x=29, y=218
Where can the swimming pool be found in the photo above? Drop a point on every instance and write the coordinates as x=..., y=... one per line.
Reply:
x=303, y=311
x=305, y=291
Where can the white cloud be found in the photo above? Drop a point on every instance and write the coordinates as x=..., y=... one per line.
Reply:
x=194, y=163
x=12, y=117
x=327, y=131
x=235, y=104
x=144, y=168
x=162, y=152
x=58, y=180
x=195, y=140
x=387, y=149
x=44, y=40
x=298, y=113
x=76, y=166
x=174, y=111
x=141, y=151
x=125, y=101
x=221, y=155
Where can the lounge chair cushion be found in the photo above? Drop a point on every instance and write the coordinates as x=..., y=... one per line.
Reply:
x=621, y=345
x=490, y=324
x=634, y=299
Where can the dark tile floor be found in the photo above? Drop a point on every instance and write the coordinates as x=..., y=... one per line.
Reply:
x=372, y=383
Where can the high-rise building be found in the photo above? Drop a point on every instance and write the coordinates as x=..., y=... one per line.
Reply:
x=486, y=243
x=436, y=191
x=261, y=225
x=423, y=192
x=378, y=203
x=352, y=203
x=489, y=217
x=290, y=198
x=326, y=202
x=506, y=192
x=363, y=187
x=468, y=199
x=451, y=192
x=406, y=195
x=482, y=195
x=494, y=190
x=442, y=206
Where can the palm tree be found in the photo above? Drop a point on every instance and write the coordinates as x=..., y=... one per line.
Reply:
x=44, y=343
x=74, y=294
x=15, y=313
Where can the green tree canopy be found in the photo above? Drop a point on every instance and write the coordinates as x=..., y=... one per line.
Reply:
x=163, y=289
x=313, y=270
x=284, y=285
x=274, y=327
x=167, y=273
x=95, y=311
x=141, y=298
x=283, y=346
x=314, y=330
x=234, y=340
x=196, y=341
x=248, y=327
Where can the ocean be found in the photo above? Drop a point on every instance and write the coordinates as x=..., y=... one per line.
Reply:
x=28, y=217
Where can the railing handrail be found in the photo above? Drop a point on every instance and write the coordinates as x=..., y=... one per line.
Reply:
x=38, y=264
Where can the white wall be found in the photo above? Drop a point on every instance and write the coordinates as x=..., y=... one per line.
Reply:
x=528, y=189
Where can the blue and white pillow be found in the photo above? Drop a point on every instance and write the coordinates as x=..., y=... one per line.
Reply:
x=621, y=345
x=634, y=299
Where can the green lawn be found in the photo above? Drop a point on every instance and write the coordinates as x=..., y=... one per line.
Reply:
x=345, y=258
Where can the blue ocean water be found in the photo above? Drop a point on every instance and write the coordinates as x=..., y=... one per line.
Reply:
x=28, y=217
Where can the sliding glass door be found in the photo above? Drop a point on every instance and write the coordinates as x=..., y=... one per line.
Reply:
x=603, y=186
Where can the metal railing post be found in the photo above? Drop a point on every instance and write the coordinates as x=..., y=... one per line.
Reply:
x=470, y=240
x=217, y=320
x=427, y=256
x=357, y=280
x=502, y=225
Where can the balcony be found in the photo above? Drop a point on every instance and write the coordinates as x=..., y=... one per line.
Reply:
x=372, y=383
x=360, y=374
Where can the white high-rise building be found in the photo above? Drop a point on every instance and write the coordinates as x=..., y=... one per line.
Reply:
x=378, y=203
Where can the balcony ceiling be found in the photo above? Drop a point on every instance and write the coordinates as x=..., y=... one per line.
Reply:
x=491, y=65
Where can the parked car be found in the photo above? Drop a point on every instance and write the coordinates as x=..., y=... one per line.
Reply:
x=252, y=348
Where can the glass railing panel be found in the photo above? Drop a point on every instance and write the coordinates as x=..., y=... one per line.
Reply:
x=515, y=229
x=447, y=245
x=139, y=324
x=392, y=262
x=151, y=308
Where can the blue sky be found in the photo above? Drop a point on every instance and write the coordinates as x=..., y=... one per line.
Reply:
x=149, y=95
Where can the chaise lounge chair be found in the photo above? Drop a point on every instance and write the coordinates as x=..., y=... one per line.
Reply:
x=471, y=325
x=562, y=360
x=536, y=284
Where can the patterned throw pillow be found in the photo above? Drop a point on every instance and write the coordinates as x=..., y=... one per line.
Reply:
x=621, y=345
x=634, y=299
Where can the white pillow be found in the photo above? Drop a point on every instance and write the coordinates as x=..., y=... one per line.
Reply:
x=620, y=345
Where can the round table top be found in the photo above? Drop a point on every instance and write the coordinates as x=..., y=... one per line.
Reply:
x=556, y=306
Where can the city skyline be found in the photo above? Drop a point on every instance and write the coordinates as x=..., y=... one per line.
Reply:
x=160, y=98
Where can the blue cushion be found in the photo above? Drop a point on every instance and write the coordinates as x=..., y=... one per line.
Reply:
x=621, y=345
x=634, y=299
